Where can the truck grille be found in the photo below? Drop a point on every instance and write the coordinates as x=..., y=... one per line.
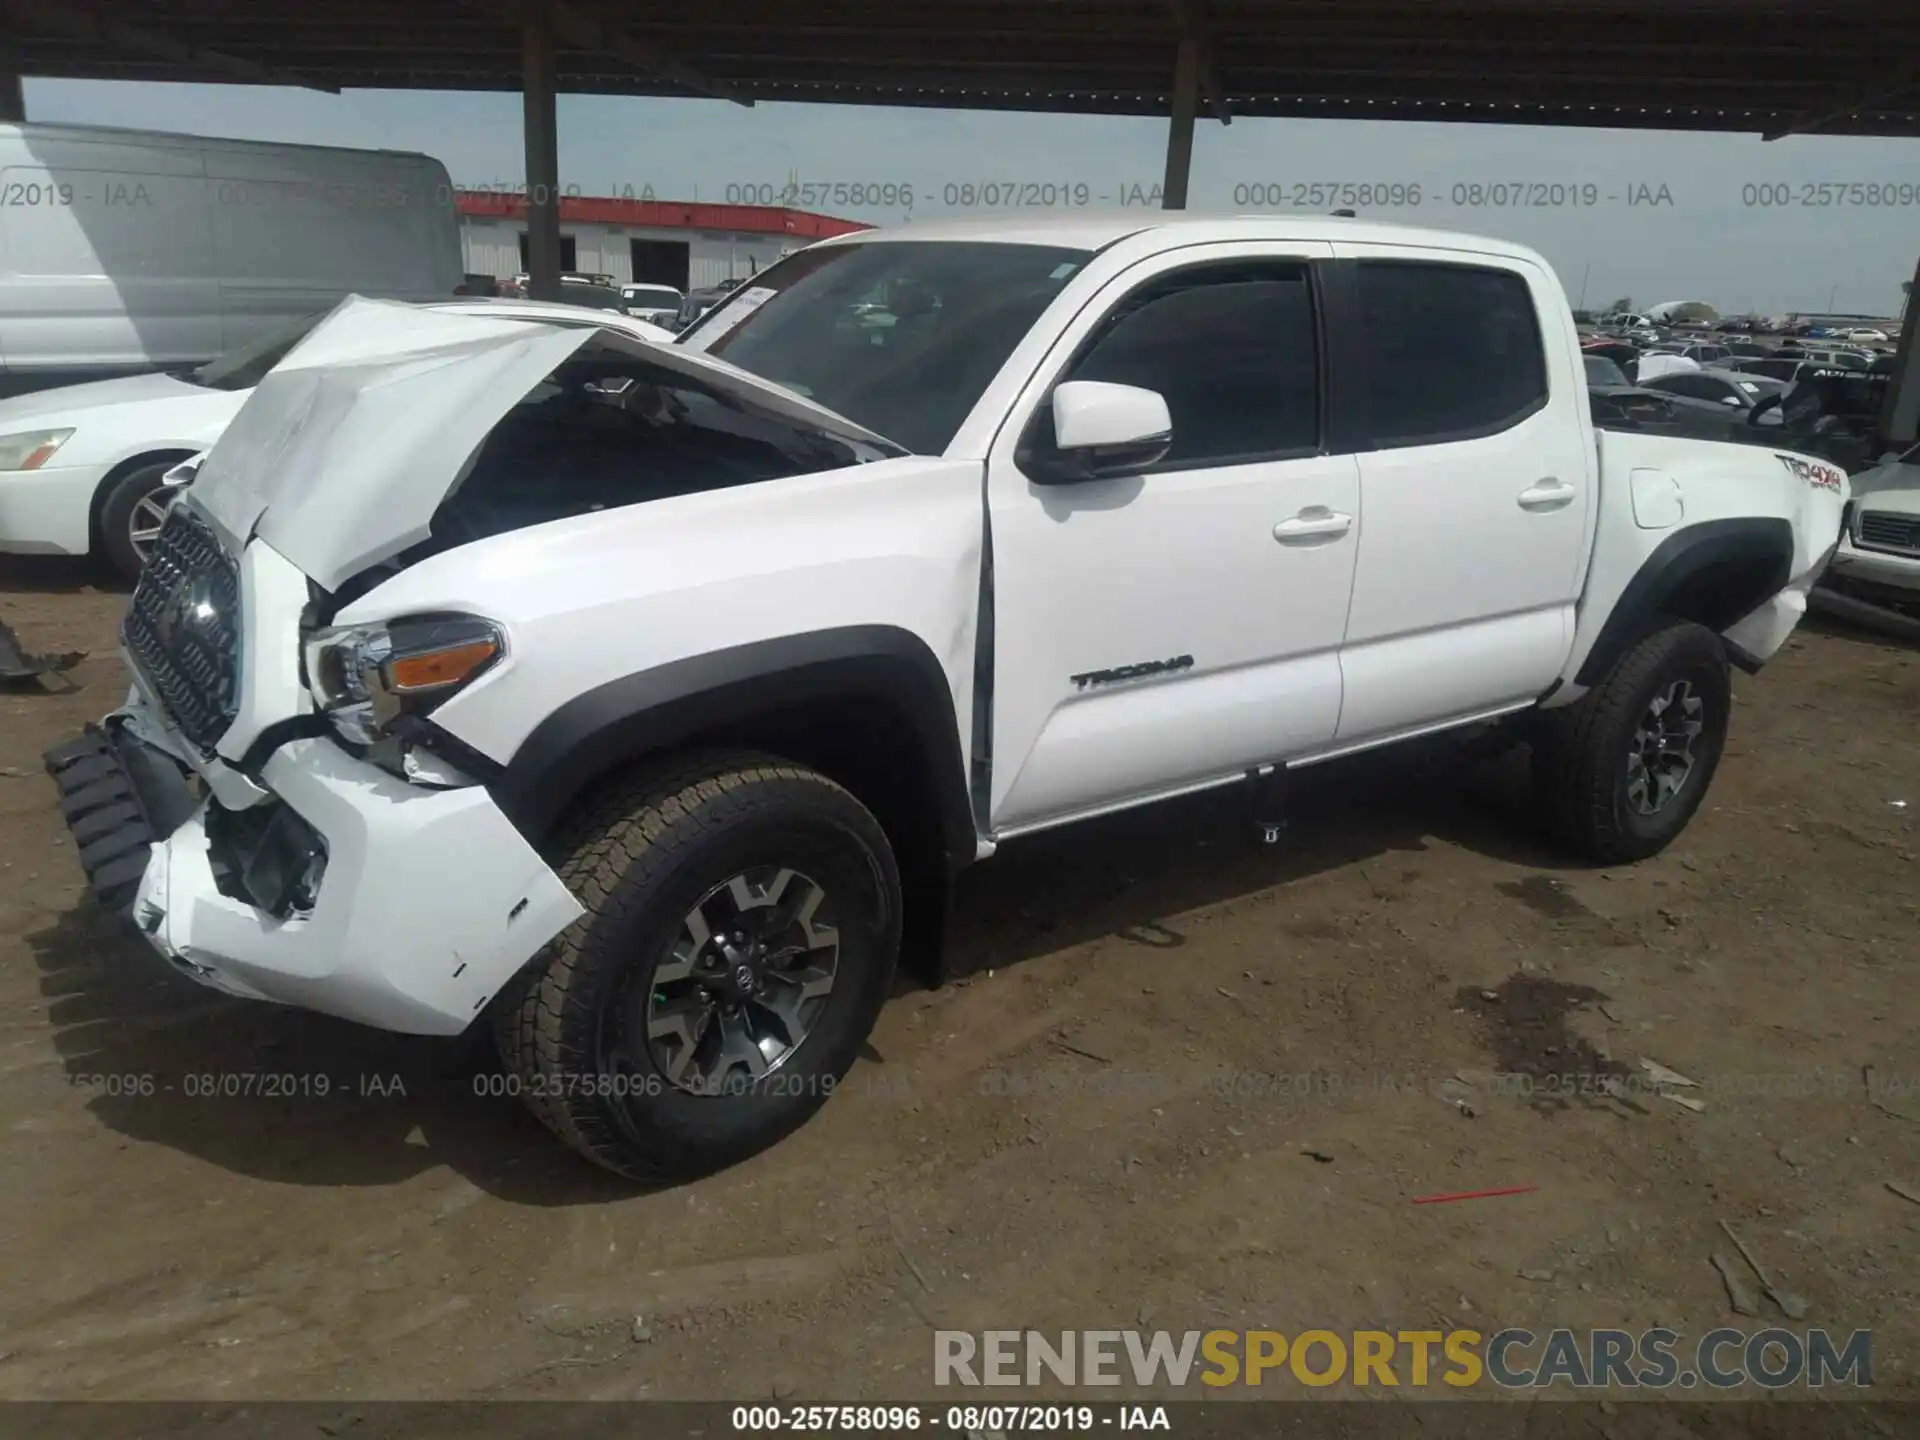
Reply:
x=1883, y=530
x=183, y=628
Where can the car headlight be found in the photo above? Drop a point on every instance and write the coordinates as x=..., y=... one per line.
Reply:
x=30, y=449
x=369, y=678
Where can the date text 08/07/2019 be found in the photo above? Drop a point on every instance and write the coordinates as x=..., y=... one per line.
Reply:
x=959, y=1420
x=988, y=194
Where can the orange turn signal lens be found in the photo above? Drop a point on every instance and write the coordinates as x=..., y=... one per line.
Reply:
x=437, y=669
x=39, y=456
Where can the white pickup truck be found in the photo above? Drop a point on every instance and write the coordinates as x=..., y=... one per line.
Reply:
x=640, y=702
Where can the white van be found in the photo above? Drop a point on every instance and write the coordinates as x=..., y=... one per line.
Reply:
x=128, y=250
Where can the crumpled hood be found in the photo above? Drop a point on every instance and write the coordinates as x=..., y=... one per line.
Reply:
x=342, y=454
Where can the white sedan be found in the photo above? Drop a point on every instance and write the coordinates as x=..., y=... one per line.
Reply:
x=1656, y=363
x=83, y=468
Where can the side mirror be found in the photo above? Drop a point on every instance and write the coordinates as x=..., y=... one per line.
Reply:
x=1101, y=431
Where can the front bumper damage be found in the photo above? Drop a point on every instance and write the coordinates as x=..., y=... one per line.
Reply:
x=397, y=906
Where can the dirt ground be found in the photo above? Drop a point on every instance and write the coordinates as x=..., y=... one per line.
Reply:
x=1186, y=1082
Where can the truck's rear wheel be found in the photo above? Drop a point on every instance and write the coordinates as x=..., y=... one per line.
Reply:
x=1620, y=772
x=742, y=928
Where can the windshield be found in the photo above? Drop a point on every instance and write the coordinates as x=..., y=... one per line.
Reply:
x=1602, y=371
x=245, y=366
x=902, y=336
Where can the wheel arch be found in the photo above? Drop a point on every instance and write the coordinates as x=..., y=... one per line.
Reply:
x=869, y=706
x=1713, y=573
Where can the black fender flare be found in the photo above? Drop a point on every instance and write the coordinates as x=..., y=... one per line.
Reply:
x=1683, y=556
x=660, y=708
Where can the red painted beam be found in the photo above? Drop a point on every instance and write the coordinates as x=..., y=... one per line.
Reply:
x=679, y=215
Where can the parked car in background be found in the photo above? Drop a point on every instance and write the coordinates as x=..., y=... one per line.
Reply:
x=1615, y=400
x=655, y=304
x=1864, y=334
x=1875, y=574
x=1604, y=373
x=578, y=287
x=1625, y=357
x=595, y=292
x=1773, y=367
x=1619, y=404
x=1656, y=363
x=1834, y=412
x=699, y=302
x=1729, y=389
x=1706, y=353
x=83, y=469
x=128, y=251
x=1840, y=359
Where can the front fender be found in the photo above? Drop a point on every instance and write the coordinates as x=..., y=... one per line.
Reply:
x=660, y=709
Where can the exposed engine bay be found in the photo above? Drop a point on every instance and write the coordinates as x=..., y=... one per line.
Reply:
x=607, y=430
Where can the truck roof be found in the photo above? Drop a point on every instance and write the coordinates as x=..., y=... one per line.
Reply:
x=1095, y=229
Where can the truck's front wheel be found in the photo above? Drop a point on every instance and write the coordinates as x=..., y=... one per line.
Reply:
x=742, y=928
x=1621, y=771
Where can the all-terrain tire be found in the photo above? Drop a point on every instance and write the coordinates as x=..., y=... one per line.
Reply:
x=639, y=857
x=1582, y=766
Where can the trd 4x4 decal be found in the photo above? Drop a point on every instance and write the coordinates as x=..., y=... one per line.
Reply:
x=1825, y=476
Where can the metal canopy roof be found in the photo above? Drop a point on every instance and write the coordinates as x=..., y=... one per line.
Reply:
x=1772, y=66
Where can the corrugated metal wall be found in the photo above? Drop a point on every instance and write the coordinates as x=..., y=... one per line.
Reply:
x=492, y=247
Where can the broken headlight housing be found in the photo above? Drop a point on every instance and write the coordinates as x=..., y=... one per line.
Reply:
x=374, y=683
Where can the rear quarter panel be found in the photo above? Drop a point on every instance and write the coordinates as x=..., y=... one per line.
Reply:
x=1653, y=487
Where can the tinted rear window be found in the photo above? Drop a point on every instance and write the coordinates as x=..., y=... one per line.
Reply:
x=1453, y=352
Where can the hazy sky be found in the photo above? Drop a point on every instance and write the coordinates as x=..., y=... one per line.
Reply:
x=1724, y=218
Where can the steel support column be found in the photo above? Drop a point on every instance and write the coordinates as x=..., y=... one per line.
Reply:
x=1186, y=97
x=1900, y=421
x=541, y=124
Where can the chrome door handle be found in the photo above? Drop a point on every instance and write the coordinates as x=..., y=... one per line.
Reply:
x=1550, y=494
x=1316, y=522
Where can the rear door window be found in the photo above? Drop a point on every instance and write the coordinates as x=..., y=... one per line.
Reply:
x=1453, y=352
